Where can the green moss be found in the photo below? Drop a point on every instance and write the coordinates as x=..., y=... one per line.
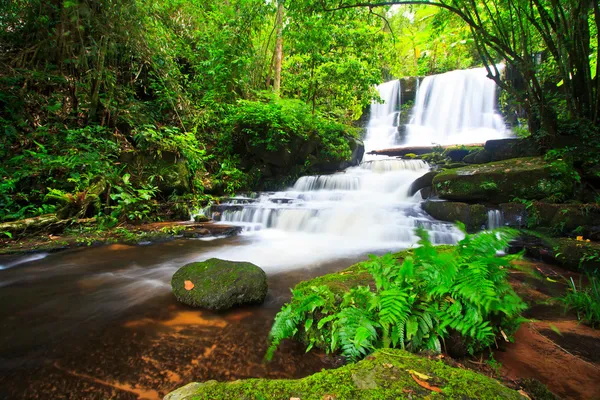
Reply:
x=220, y=284
x=384, y=375
x=528, y=178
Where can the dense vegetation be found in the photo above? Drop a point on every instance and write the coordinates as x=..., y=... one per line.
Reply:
x=114, y=108
x=458, y=294
x=139, y=103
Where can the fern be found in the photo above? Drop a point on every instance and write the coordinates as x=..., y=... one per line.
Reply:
x=415, y=305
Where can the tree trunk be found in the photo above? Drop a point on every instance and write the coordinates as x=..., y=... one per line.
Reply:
x=278, y=49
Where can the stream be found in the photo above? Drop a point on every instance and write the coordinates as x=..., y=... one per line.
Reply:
x=101, y=322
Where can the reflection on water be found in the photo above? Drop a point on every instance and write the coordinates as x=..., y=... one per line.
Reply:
x=101, y=323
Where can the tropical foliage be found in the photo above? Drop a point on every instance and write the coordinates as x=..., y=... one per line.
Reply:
x=415, y=305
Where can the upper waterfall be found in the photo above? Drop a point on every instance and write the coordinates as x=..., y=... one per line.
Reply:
x=456, y=107
x=382, y=129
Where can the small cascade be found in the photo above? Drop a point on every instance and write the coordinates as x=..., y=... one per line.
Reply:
x=456, y=107
x=495, y=219
x=368, y=202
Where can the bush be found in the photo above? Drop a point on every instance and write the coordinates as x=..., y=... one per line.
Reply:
x=286, y=124
x=415, y=306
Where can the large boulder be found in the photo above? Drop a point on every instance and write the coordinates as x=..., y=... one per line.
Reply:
x=219, y=284
x=503, y=149
x=387, y=374
x=474, y=216
x=528, y=178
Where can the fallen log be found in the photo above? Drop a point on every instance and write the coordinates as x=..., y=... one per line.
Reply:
x=418, y=150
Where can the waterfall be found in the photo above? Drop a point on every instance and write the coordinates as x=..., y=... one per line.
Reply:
x=495, y=219
x=363, y=209
x=367, y=203
x=456, y=107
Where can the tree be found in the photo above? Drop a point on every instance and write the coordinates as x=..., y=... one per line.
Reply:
x=333, y=60
x=278, y=47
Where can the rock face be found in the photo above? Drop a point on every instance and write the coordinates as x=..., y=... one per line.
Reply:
x=358, y=150
x=219, y=284
x=500, y=182
x=388, y=374
x=474, y=216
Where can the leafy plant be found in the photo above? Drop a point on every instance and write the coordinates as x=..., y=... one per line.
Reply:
x=133, y=202
x=415, y=305
x=489, y=185
x=584, y=300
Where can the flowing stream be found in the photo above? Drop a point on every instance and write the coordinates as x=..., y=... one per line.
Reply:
x=102, y=323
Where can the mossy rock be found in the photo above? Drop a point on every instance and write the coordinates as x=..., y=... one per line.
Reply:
x=577, y=255
x=572, y=254
x=387, y=374
x=583, y=219
x=219, y=284
x=499, y=182
x=474, y=216
x=503, y=149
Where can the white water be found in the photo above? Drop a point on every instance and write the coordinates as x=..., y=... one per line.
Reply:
x=382, y=129
x=456, y=107
x=495, y=219
x=321, y=218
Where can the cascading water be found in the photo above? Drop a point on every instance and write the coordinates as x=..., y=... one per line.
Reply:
x=363, y=209
x=456, y=107
x=382, y=129
x=495, y=219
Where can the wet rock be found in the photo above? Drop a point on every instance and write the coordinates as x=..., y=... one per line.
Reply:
x=197, y=233
x=422, y=182
x=478, y=157
x=387, y=374
x=456, y=154
x=219, y=284
x=408, y=87
x=515, y=215
x=503, y=149
x=474, y=216
x=201, y=218
x=500, y=182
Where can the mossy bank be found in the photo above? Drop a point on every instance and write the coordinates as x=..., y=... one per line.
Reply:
x=386, y=374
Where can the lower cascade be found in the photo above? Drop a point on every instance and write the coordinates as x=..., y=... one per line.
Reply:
x=365, y=208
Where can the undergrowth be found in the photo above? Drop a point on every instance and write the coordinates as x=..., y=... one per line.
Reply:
x=585, y=301
x=416, y=305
